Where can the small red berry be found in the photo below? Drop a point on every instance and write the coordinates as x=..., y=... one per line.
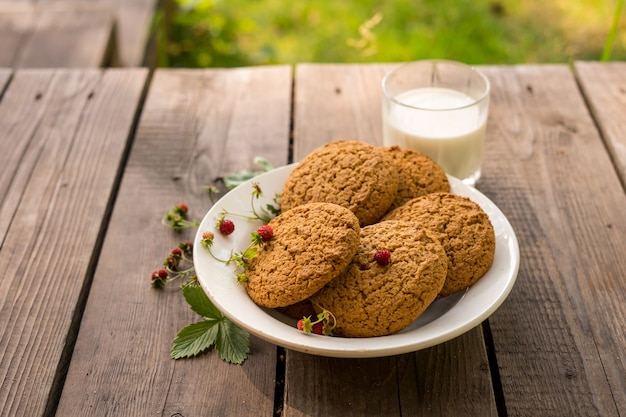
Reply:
x=177, y=252
x=172, y=262
x=306, y=325
x=318, y=328
x=208, y=235
x=159, y=274
x=382, y=257
x=226, y=226
x=183, y=207
x=159, y=278
x=266, y=232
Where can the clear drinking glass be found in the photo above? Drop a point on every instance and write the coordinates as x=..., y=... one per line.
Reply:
x=439, y=108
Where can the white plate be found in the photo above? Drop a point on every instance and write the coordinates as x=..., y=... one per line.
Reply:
x=443, y=320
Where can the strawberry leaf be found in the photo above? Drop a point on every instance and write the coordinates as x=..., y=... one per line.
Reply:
x=194, y=339
x=250, y=252
x=233, y=180
x=199, y=302
x=264, y=163
x=233, y=344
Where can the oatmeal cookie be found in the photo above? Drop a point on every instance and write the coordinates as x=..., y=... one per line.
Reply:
x=352, y=174
x=418, y=175
x=465, y=231
x=370, y=299
x=311, y=245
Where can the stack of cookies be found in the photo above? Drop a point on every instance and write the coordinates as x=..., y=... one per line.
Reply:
x=345, y=203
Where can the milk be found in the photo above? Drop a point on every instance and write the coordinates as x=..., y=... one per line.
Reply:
x=445, y=124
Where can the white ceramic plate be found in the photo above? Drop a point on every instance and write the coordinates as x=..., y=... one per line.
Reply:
x=443, y=320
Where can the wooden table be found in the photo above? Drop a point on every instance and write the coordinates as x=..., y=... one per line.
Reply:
x=92, y=159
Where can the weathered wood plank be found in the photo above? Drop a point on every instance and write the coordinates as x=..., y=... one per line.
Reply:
x=451, y=379
x=604, y=86
x=68, y=37
x=185, y=140
x=13, y=26
x=5, y=76
x=133, y=26
x=331, y=88
x=344, y=101
x=560, y=336
x=62, y=34
x=23, y=110
x=72, y=128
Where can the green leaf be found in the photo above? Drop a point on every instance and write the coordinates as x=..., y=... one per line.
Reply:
x=233, y=180
x=199, y=302
x=233, y=344
x=250, y=252
x=195, y=339
x=264, y=163
x=236, y=178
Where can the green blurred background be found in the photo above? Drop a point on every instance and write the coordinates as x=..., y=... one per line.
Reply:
x=226, y=33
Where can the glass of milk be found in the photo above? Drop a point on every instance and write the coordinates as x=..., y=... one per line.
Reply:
x=439, y=108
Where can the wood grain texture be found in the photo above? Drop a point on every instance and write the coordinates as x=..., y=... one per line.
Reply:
x=5, y=75
x=451, y=379
x=344, y=101
x=68, y=38
x=59, y=34
x=196, y=127
x=604, y=87
x=23, y=117
x=72, y=130
x=134, y=25
x=335, y=101
x=133, y=20
x=13, y=27
x=560, y=336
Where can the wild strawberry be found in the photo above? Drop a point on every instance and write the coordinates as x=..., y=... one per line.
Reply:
x=174, y=258
x=225, y=226
x=207, y=240
x=382, y=257
x=159, y=274
x=318, y=328
x=186, y=247
x=306, y=325
x=323, y=324
x=159, y=278
x=182, y=209
x=265, y=232
x=177, y=218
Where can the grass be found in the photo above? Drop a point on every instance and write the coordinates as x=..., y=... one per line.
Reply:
x=223, y=33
